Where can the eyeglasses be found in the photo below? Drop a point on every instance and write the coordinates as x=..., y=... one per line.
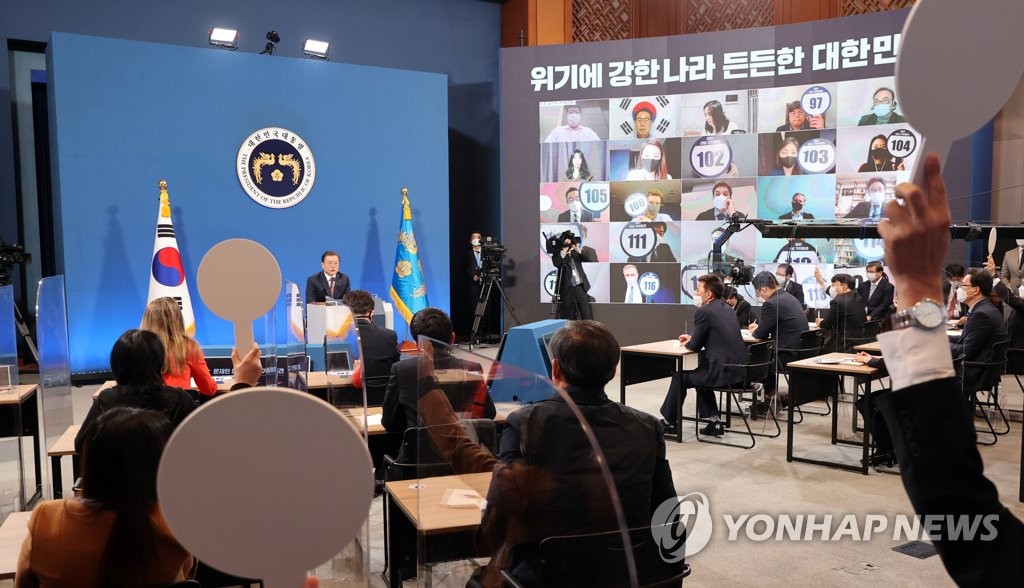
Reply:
x=877, y=102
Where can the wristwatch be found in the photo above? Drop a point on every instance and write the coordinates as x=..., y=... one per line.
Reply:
x=926, y=314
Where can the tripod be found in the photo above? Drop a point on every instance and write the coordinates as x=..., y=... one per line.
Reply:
x=25, y=333
x=490, y=283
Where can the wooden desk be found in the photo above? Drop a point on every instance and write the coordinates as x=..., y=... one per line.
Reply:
x=65, y=445
x=650, y=361
x=872, y=347
x=22, y=402
x=356, y=415
x=314, y=381
x=12, y=535
x=811, y=380
x=418, y=526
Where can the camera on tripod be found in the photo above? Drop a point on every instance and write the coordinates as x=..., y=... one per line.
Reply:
x=11, y=255
x=491, y=255
x=735, y=274
x=555, y=244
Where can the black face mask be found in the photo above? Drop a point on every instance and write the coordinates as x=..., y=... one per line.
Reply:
x=787, y=161
x=650, y=165
x=797, y=206
x=880, y=153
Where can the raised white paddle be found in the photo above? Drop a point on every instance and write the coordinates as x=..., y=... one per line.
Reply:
x=958, y=63
x=239, y=281
x=266, y=483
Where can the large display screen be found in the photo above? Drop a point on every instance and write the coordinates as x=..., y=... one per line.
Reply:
x=647, y=182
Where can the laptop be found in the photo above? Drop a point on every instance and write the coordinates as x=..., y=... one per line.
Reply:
x=338, y=363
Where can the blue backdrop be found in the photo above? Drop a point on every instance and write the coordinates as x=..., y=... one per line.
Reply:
x=126, y=114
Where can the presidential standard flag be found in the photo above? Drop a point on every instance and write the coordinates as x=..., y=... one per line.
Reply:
x=167, y=274
x=408, y=289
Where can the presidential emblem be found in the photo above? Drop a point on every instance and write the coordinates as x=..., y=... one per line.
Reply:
x=275, y=167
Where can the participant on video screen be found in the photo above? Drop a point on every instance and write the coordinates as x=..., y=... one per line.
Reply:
x=578, y=170
x=723, y=207
x=572, y=130
x=785, y=158
x=654, y=202
x=797, y=250
x=716, y=123
x=651, y=163
x=797, y=211
x=872, y=208
x=661, y=253
x=883, y=109
x=797, y=119
x=576, y=212
x=644, y=114
x=879, y=158
x=632, y=277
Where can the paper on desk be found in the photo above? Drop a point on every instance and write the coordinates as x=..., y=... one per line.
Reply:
x=457, y=498
x=374, y=419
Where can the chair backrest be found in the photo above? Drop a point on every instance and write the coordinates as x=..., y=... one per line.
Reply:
x=872, y=328
x=759, y=362
x=597, y=560
x=375, y=388
x=811, y=343
x=985, y=375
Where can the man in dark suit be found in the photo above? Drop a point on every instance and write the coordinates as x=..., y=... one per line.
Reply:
x=877, y=293
x=472, y=265
x=661, y=253
x=329, y=283
x=714, y=333
x=782, y=319
x=797, y=210
x=379, y=346
x=954, y=274
x=573, y=285
x=984, y=324
x=739, y=305
x=883, y=110
x=722, y=209
x=546, y=481
x=1014, y=322
x=399, y=411
x=576, y=212
x=845, y=318
x=932, y=433
x=788, y=282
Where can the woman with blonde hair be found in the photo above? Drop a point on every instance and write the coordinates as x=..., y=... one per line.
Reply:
x=183, y=358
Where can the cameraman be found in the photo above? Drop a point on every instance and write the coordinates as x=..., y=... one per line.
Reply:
x=474, y=271
x=573, y=285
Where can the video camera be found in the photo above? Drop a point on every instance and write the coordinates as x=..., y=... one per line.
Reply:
x=555, y=244
x=11, y=255
x=735, y=274
x=492, y=253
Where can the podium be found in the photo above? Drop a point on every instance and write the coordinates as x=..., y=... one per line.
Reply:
x=316, y=319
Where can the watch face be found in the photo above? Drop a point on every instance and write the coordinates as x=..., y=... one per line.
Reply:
x=929, y=314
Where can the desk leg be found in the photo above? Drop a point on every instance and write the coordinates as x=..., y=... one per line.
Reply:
x=866, y=435
x=789, y=433
x=836, y=386
x=33, y=423
x=58, y=479
x=400, y=545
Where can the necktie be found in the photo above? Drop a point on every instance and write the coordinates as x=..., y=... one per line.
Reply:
x=332, y=287
x=575, y=218
x=1020, y=259
x=476, y=254
x=874, y=212
x=631, y=296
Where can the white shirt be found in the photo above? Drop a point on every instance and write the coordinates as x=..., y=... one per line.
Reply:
x=567, y=134
x=915, y=356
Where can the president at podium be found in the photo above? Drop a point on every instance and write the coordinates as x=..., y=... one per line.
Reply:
x=328, y=283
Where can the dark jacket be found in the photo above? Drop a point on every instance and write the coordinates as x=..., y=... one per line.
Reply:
x=742, y=310
x=984, y=327
x=845, y=319
x=871, y=119
x=565, y=495
x=585, y=216
x=318, y=288
x=933, y=434
x=783, y=319
x=568, y=261
x=401, y=398
x=715, y=335
x=173, y=402
x=880, y=304
x=796, y=290
x=804, y=215
x=378, y=347
x=661, y=253
x=1015, y=322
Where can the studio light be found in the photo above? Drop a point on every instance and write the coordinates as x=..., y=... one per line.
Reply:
x=316, y=49
x=224, y=38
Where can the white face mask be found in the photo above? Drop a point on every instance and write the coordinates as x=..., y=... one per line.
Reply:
x=698, y=301
x=574, y=206
x=782, y=279
x=1020, y=242
x=475, y=242
x=631, y=281
x=721, y=202
x=872, y=276
x=961, y=295
x=876, y=196
x=573, y=118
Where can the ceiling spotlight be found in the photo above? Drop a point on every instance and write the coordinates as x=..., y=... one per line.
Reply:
x=225, y=38
x=272, y=40
x=314, y=48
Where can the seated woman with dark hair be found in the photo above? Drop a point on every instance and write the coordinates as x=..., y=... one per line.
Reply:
x=115, y=534
x=137, y=361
